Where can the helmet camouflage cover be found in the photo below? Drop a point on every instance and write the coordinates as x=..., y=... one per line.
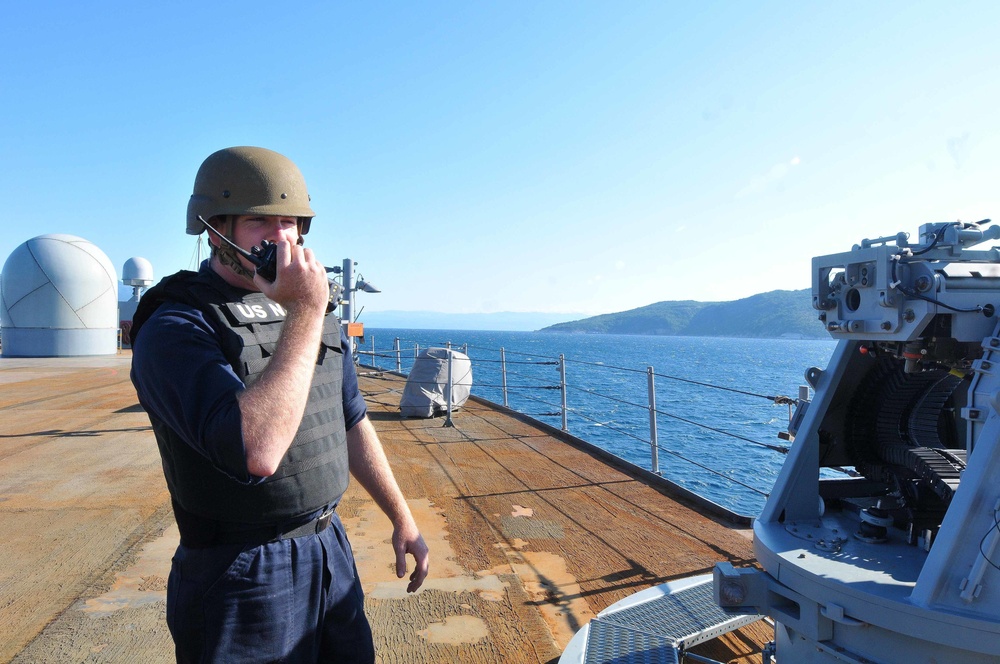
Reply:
x=248, y=180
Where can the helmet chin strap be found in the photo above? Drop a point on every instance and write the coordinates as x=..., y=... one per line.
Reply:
x=229, y=258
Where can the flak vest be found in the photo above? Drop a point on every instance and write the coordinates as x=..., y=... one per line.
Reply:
x=313, y=472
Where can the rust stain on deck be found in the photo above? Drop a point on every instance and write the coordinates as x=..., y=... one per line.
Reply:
x=143, y=582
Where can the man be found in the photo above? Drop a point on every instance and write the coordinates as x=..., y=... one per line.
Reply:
x=253, y=397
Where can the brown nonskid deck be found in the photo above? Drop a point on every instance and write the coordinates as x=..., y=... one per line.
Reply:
x=561, y=534
x=529, y=536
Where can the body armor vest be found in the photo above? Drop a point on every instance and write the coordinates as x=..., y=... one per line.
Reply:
x=314, y=470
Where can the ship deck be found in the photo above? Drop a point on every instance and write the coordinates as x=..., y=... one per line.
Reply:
x=530, y=536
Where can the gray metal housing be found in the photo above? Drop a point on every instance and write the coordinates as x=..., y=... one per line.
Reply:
x=901, y=561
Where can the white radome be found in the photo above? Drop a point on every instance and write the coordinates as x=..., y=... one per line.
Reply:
x=59, y=297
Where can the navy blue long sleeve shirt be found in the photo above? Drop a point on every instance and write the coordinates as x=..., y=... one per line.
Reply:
x=183, y=379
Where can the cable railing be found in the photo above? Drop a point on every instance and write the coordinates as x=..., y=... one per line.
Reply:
x=522, y=384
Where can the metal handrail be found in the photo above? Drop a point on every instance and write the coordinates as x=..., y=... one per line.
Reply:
x=400, y=350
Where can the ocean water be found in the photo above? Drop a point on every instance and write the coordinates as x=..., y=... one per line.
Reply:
x=715, y=413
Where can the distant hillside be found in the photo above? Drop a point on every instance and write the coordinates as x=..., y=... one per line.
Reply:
x=773, y=314
x=433, y=320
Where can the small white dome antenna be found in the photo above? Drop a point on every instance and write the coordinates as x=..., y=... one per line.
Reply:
x=137, y=273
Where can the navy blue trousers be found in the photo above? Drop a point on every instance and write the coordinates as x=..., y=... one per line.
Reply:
x=294, y=600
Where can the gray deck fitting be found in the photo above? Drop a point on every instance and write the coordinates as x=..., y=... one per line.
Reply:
x=660, y=630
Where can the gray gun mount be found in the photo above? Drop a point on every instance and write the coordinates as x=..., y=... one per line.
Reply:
x=898, y=559
x=889, y=289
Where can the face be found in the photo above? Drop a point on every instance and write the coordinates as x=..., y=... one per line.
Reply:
x=249, y=231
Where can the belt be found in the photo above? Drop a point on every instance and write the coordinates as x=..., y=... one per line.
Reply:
x=263, y=535
x=314, y=527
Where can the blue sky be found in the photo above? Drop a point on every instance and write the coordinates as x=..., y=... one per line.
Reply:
x=512, y=156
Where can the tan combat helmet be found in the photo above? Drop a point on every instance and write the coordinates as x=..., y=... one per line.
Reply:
x=247, y=180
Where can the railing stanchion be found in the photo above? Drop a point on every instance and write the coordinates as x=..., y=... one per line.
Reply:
x=652, y=421
x=503, y=376
x=447, y=421
x=373, y=350
x=399, y=362
x=562, y=387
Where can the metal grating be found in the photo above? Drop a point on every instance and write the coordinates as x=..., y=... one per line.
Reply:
x=660, y=629
x=607, y=642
